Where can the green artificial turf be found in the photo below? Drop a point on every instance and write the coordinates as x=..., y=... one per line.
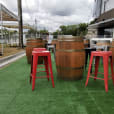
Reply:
x=68, y=97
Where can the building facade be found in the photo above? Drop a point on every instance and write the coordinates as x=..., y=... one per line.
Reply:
x=104, y=18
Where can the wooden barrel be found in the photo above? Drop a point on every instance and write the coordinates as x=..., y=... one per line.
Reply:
x=45, y=43
x=33, y=43
x=70, y=58
x=55, y=42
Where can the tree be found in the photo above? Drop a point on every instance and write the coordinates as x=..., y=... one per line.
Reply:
x=63, y=29
x=44, y=32
x=32, y=31
x=83, y=29
x=75, y=30
x=57, y=32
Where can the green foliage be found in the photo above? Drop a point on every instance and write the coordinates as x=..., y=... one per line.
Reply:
x=13, y=32
x=33, y=31
x=69, y=30
x=82, y=29
x=93, y=21
x=75, y=30
x=4, y=31
x=7, y=32
x=44, y=32
x=56, y=33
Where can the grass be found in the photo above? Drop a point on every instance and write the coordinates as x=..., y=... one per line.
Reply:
x=68, y=97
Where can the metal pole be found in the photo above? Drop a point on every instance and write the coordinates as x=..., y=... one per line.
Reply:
x=20, y=24
x=9, y=38
x=39, y=33
x=1, y=29
x=36, y=26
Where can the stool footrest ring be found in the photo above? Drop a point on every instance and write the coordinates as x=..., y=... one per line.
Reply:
x=41, y=71
x=43, y=76
x=96, y=78
x=101, y=73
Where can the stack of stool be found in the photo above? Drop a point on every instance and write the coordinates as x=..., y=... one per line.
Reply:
x=106, y=56
x=36, y=53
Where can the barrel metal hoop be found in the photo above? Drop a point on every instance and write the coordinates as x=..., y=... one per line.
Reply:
x=70, y=50
x=68, y=78
x=35, y=46
x=70, y=68
x=70, y=40
x=35, y=41
x=112, y=46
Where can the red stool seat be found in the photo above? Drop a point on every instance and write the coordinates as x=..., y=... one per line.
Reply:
x=35, y=49
x=106, y=56
x=39, y=49
x=48, y=66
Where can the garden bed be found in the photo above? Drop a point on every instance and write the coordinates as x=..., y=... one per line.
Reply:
x=10, y=51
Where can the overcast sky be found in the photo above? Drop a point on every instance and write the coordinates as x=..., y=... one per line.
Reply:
x=50, y=14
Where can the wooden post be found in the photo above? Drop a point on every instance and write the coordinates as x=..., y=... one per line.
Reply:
x=20, y=24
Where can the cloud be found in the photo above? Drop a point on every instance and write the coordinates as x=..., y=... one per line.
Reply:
x=51, y=14
x=66, y=7
x=59, y=7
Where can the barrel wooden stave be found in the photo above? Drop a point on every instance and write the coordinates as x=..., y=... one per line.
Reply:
x=33, y=43
x=112, y=49
x=54, y=42
x=70, y=59
x=73, y=69
x=45, y=43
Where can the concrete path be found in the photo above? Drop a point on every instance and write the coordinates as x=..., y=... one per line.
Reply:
x=9, y=59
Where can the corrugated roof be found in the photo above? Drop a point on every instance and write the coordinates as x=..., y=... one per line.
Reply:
x=11, y=25
x=102, y=24
x=7, y=15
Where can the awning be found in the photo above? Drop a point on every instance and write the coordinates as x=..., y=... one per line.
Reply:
x=109, y=23
x=6, y=14
x=16, y=26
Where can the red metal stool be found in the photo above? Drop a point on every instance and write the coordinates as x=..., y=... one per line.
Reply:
x=39, y=49
x=47, y=62
x=106, y=55
x=35, y=49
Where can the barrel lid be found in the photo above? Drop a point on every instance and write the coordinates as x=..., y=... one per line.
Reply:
x=54, y=40
x=69, y=38
x=29, y=39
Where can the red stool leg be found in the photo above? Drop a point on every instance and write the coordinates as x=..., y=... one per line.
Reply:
x=89, y=70
x=46, y=66
x=31, y=70
x=111, y=63
x=105, y=65
x=51, y=72
x=35, y=60
x=96, y=66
